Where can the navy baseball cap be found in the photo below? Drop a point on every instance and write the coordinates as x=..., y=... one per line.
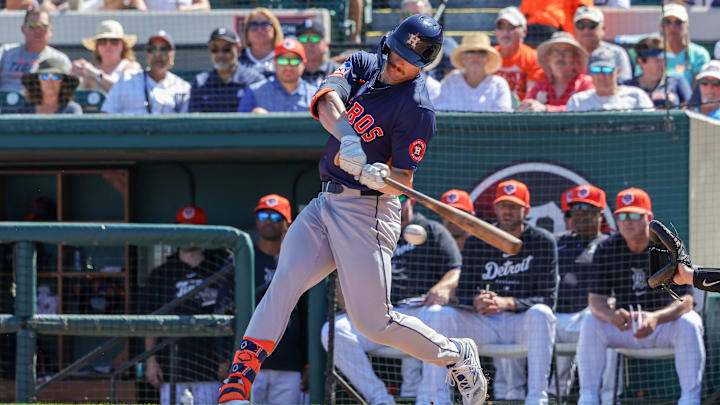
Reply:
x=311, y=24
x=225, y=34
x=162, y=34
x=602, y=57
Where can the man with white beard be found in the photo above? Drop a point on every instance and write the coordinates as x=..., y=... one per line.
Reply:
x=505, y=299
x=222, y=88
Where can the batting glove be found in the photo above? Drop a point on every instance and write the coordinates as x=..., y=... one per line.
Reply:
x=351, y=158
x=374, y=175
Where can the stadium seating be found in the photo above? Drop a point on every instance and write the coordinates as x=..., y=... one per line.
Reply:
x=90, y=100
x=10, y=101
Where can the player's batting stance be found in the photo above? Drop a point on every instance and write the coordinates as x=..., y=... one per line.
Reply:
x=377, y=109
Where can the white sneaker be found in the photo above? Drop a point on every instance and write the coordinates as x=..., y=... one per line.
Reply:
x=467, y=374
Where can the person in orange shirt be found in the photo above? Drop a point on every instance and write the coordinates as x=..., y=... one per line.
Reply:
x=519, y=62
x=546, y=17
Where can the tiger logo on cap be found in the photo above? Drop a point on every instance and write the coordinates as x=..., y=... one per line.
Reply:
x=271, y=202
x=188, y=212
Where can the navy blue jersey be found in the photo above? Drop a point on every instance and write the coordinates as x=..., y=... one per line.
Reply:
x=575, y=265
x=624, y=273
x=316, y=78
x=416, y=268
x=530, y=276
x=176, y=278
x=209, y=93
x=679, y=91
x=395, y=122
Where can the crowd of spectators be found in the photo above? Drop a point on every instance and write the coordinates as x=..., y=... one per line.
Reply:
x=572, y=68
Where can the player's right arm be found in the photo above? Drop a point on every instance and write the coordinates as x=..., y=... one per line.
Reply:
x=600, y=308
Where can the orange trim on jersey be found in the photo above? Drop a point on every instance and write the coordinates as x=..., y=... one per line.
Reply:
x=317, y=96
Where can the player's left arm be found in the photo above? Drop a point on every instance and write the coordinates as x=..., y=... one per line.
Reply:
x=671, y=312
x=545, y=283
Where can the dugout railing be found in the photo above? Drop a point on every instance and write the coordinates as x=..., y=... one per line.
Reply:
x=27, y=324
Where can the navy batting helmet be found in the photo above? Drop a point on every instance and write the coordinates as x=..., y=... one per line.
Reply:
x=418, y=40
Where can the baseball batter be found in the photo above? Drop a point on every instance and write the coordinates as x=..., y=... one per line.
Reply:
x=509, y=298
x=377, y=109
x=641, y=317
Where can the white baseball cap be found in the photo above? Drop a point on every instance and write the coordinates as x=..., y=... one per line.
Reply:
x=589, y=13
x=676, y=10
x=512, y=15
x=710, y=69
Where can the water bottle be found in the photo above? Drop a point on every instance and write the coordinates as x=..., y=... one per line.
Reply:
x=187, y=397
x=77, y=260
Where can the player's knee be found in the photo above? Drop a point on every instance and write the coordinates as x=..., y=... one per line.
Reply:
x=434, y=315
x=324, y=335
x=590, y=325
x=542, y=314
x=690, y=324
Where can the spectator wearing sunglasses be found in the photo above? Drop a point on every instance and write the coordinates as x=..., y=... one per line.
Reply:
x=112, y=54
x=261, y=35
x=589, y=28
x=650, y=57
x=709, y=82
x=222, y=88
x=281, y=378
x=50, y=89
x=519, y=62
x=608, y=94
x=564, y=62
x=154, y=90
x=18, y=59
x=474, y=86
x=286, y=91
x=684, y=58
x=424, y=277
x=621, y=263
x=318, y=65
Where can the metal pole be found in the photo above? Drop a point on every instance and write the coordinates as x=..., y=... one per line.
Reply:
x=25, y=307
x=330, y=359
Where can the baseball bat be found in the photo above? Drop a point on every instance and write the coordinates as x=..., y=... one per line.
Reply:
x=492, y=235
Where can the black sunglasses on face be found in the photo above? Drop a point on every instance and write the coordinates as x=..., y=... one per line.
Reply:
x=503, y=26
x=224, y=49
x=162, y=49
x=581, y=25
x=254, y=25
x=112, y=41
x=583, y=207
x=274, y=217
x=476, y=52
x=631, y=216
x=668, y=22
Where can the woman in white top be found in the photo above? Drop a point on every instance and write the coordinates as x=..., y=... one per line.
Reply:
x=473, y=86
x=113, y=54
x=261, y=35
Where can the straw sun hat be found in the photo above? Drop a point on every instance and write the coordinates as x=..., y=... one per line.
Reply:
x=561, y=37
x=109, y=29
x=477, y=42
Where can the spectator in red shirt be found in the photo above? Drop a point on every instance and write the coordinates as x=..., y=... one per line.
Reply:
x=519, y=61
x=564, y=62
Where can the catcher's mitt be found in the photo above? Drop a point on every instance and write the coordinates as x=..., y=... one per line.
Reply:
x=665, y=252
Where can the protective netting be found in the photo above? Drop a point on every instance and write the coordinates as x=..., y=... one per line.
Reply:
x=615, y=152
x=81, y=310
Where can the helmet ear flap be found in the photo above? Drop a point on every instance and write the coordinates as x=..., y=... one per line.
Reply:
x=382, y=50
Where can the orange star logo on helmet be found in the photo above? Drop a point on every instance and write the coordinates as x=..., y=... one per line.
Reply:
x=413, y=40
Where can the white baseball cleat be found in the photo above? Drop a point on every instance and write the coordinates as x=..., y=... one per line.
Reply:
x=467, y=374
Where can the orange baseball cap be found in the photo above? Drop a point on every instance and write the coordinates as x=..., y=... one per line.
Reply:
x=565, y=199
x=589, y=194
x=513, y=191
x=276, y=203
x=290, y=45
x=633, y=200
x=191, y=215
x=459, y=199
